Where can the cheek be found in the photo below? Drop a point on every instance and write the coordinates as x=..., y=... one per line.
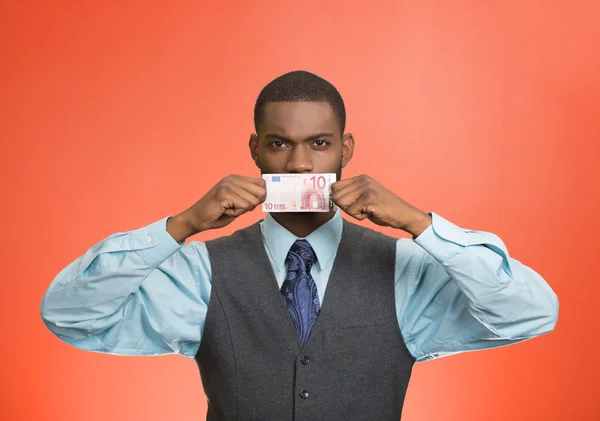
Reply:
x=328, y=162
x=272, y=162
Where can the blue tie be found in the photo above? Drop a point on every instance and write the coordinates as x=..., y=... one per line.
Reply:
x=299, y=290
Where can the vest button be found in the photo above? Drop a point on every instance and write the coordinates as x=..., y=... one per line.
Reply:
x=305, y=360
x=304, y=394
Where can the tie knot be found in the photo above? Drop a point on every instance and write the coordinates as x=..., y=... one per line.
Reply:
x=301, y=253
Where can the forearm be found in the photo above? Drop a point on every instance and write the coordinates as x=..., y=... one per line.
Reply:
x=98, y=283
x=124, y=295
x=516, y=305
x=75, y=300
x=509, y=297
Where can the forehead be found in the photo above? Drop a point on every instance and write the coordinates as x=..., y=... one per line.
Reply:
x=298, y=118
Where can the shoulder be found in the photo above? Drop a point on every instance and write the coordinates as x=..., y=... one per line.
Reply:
x=407, y=251
x=245, y=243
x=366, y=234
x=240, y=234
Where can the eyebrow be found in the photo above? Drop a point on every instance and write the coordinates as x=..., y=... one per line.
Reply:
x=285, y=139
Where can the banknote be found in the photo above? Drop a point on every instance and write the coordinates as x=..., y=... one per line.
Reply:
x=298, y=192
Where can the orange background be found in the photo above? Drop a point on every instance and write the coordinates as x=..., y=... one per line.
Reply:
x=116, y=115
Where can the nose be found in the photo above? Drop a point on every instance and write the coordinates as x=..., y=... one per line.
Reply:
x=300, y=160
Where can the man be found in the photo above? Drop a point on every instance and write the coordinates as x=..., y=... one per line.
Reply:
x=302, y=316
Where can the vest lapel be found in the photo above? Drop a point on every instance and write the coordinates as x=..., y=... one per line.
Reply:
x=268, y=283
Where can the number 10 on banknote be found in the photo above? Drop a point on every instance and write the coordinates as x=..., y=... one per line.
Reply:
x=298, y=192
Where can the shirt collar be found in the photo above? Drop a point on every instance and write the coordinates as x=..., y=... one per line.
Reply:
x=324, y=240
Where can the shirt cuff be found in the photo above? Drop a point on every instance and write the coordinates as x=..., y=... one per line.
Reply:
x=153, y=243
x=442, y=239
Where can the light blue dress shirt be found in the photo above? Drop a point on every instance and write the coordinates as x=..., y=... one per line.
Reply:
x=142, y=293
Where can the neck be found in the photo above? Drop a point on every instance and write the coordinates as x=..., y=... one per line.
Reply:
x=301, y=224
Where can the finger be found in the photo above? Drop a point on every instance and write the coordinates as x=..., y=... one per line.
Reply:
x=257, y=191
x=360, y=209
x=251, y=198
x=234, y=204
x=253, y=180
x=347, y=196
x=339, y=185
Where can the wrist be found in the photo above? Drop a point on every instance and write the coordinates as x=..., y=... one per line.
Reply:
x=419, y=223
x=181, y=226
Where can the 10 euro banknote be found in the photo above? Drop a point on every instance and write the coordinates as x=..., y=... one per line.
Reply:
x=298, y=192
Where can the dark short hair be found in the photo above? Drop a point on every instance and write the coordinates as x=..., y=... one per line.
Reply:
x=300, y=85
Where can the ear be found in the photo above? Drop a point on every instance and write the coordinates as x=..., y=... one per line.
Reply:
x=253, y=145
x=347, y=148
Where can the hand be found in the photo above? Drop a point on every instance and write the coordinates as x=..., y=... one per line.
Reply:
x=362, y=197
x=229, y=198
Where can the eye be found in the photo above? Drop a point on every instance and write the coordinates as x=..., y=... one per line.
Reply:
x=321, y=143
x=278, y=144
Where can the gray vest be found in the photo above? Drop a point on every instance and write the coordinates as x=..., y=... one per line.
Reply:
x=355, y=365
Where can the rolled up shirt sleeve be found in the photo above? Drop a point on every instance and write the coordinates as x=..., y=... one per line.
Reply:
x=133, y=293
x=459, y=290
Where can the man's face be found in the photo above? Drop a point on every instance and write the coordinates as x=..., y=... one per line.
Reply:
x=300, y=137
